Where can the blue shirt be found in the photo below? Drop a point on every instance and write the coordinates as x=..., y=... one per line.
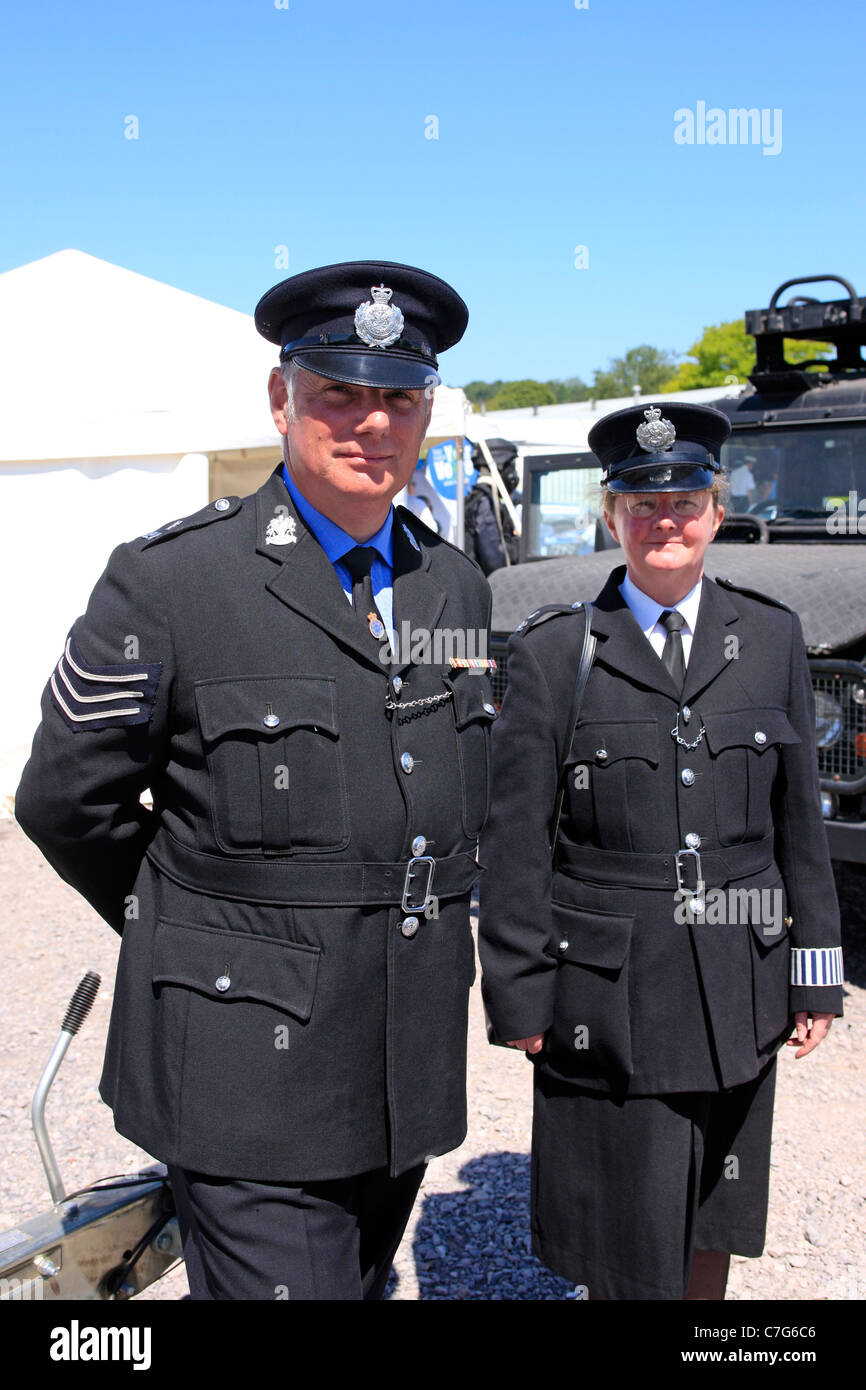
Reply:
x=336, y=542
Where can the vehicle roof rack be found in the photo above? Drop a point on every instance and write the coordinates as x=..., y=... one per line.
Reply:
x=841, y=322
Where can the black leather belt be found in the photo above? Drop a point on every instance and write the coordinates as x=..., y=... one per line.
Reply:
x=284, y=882
x=622, y=870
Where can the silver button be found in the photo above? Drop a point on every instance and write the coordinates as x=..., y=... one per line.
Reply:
x=601, y=754
x=271, y=721
x=222, y=983
x=409, y=926
x=397, y=685
x=491, y=709
x=760, y=736
x=693, y=841
x=687, y=714
x=222, y=504
x=687, y=777
x=407, y=762
x=563, y=945
x=419, y=844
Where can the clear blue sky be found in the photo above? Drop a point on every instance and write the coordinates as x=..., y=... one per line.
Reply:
x=305, y=126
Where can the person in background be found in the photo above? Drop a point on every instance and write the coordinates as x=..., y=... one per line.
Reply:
x=423, y=499
x=742, y=483
x=490, y=538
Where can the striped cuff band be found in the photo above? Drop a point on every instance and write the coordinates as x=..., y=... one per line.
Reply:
x=820, y=966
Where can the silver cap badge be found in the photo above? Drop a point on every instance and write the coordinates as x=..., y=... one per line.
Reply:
x=281, y=528
x=656, y=434
x=378, y=324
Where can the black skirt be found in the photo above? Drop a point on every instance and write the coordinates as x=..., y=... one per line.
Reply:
x=624, y=1190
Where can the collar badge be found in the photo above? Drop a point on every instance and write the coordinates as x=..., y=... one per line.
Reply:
x=378, y=324
x=281, y=528
x=412, y=540
x=657, y=434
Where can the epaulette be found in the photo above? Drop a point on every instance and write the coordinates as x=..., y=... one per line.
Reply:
x=541, y=615
x=755, y=594
x=214, y=511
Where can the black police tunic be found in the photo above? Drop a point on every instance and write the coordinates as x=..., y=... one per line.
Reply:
x=279, y=1014
x=637, y=993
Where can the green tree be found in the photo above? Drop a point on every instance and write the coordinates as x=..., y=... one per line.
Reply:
x=725, y=354
x=517, y=394
x=569, y=389
x=648, y=367
x=478, y=391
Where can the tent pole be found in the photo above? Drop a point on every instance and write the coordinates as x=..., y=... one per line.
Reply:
x=460, y=513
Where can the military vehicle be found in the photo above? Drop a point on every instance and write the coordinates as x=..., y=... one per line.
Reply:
x=795, y=530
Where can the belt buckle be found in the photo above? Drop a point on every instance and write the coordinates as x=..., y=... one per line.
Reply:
x=696, y=894
x=408, y=904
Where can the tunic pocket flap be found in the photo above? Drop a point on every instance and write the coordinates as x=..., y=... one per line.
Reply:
x=228, y=965
x=748, y=728
x=603, y=744
x=473, y=698
x=591, y=938
x=764, y=908
x=266, y=705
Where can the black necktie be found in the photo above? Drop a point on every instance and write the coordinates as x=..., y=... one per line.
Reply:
x=359, y=563
x=673, y=656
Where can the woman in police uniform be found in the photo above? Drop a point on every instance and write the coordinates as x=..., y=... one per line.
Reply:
x=688, y=922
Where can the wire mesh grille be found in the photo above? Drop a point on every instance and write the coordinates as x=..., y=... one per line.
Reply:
x=845, y=758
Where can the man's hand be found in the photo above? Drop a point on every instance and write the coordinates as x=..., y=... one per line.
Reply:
x=807, y=1038
x=532, y=1044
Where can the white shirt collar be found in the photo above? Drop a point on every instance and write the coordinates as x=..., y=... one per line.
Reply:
x=646, y=610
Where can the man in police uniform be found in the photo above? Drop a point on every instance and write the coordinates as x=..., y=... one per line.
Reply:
x=688, y=924
x=289, y=1023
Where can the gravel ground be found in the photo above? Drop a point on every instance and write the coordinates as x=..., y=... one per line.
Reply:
x=469, y=1234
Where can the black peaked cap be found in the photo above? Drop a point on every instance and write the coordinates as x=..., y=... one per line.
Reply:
x=341, y=322
x=689, y=463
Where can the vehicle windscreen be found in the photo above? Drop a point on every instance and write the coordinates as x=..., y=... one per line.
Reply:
x=563, y=507
x=798, y=473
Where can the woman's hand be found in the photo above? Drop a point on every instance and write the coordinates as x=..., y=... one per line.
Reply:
x=807, y=1038
x=532, y=1044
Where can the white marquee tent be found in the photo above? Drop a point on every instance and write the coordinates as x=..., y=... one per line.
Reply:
x=126, y=403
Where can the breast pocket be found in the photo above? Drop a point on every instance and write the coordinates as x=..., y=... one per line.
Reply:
x=591, y=1032
x=275, y=764
x=744, y=750
x=610, y=779
x=474, y=713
